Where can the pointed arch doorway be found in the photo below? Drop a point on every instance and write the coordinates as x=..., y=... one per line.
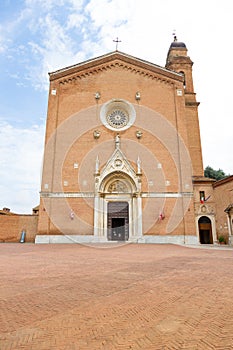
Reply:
x=118, y=200
x=118, y=209
x=118, y=221
x=205, y=230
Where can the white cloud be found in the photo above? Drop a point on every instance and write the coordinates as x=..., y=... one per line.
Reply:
x=4, y=40
x=20, y=166
x=75, y=20
x=54, y=52
x=44, y=5
x=2, y=44
x=110, y=12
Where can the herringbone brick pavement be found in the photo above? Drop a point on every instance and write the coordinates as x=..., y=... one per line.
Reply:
x=73, y=297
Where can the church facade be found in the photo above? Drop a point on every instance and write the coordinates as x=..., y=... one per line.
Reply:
x=123, y=159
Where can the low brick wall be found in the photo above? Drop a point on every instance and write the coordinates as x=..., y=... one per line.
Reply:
x=11, y=227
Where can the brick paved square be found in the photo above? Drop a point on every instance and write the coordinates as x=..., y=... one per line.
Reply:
x=115, y=297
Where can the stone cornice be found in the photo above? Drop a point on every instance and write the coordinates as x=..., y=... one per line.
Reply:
x=202, y=180
x=190, y=99
x=111, y=61
x=92, y=194
x=191, y=104
x=67, y=194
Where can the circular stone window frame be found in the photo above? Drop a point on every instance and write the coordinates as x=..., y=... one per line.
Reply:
x=117, y=104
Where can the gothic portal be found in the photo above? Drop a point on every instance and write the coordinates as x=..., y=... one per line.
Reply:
x=122, y=152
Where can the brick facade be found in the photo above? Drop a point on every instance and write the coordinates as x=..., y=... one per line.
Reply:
x=169, y=148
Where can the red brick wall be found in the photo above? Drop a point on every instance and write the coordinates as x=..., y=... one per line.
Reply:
x=11, y=227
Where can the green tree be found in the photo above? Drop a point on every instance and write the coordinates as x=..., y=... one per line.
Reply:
x=214, y=174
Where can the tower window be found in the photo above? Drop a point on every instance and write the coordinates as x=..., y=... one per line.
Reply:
x=184, y=83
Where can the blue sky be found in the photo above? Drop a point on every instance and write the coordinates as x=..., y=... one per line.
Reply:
x=40, y=36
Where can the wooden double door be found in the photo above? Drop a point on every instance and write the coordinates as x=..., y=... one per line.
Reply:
x=205, y=230
x=118, y=221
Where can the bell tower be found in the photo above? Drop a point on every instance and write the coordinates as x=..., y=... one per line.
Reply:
x=179, y=61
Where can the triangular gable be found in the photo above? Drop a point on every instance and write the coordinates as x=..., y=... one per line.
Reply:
x=118, y=164
x=116, y=57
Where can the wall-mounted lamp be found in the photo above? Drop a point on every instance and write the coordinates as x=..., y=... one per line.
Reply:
x=139, y=134
x=137, y=96
x=96, y=134
x=97, y=95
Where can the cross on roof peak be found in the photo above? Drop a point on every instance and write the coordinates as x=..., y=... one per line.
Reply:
x=174, y=35
x=117, y=41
